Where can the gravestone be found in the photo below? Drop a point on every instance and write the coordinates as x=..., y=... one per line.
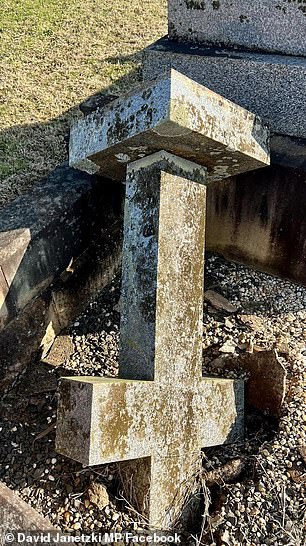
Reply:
x=277, y=26
x=160, y=410
x=251, y=52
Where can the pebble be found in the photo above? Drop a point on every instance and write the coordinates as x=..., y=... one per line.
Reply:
x=272, y=316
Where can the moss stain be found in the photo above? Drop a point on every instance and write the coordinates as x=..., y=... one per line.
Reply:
x=116, y=441
x=195, y=4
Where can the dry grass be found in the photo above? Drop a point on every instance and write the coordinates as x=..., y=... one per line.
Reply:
x=53, y=55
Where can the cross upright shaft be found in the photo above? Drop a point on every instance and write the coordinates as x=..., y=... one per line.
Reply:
x=163, y=270
x=161, y=408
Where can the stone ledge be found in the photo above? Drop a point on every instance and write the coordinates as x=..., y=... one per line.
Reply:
x=16, y=515
x=271, y=86
x=60, y=245
x=269, y=25
x=44, y=231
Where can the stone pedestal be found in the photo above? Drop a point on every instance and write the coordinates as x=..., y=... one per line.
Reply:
x=253, y=53
x=270, y=85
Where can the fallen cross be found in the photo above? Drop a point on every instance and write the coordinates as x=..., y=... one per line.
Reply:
x=170, y=137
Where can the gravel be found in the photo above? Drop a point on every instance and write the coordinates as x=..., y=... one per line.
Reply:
x=265, y=504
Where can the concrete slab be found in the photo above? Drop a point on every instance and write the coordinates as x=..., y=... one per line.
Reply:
x=38, y=243
x=272, y=86
x=17, y=515
x=174, y=114
x=270, y=25
x=46, y=280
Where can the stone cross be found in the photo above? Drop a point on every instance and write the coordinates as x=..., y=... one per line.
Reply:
x=169, y=138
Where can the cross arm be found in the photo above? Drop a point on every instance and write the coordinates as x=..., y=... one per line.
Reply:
x=104, y=420
x=220, y=411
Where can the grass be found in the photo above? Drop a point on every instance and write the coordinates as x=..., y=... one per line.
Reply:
x=11, y=159
x=53, y=55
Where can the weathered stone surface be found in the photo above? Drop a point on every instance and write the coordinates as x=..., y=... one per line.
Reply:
x=229, y=472
x=267, y=383
x=13, y=246
x=127, y=419
x=61, y=349
x=163, y=265
x=54, y=257
x=175, y=412
x=219, y=302
x=33, y=330
x=258, y=219
x=271, y=25
x=98, y=495
x=99, y=100
x=7, y=307
x=266, y=387
x=271, y=86
x=20, y=340
x=174, y=114
x=107, y=420
x=38, y=243
x=16, y=515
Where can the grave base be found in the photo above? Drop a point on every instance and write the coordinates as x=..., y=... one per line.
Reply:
x=271, y=86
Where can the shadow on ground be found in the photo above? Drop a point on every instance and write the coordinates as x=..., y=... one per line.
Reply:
x=30, y=152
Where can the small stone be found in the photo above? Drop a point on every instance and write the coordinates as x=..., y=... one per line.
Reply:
x=225, y=537
x=98, y=495
x=219, y=302
x=229, y=324
x=228, y=347
x=107, y=511
x=66, y=517
x=39, y=473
